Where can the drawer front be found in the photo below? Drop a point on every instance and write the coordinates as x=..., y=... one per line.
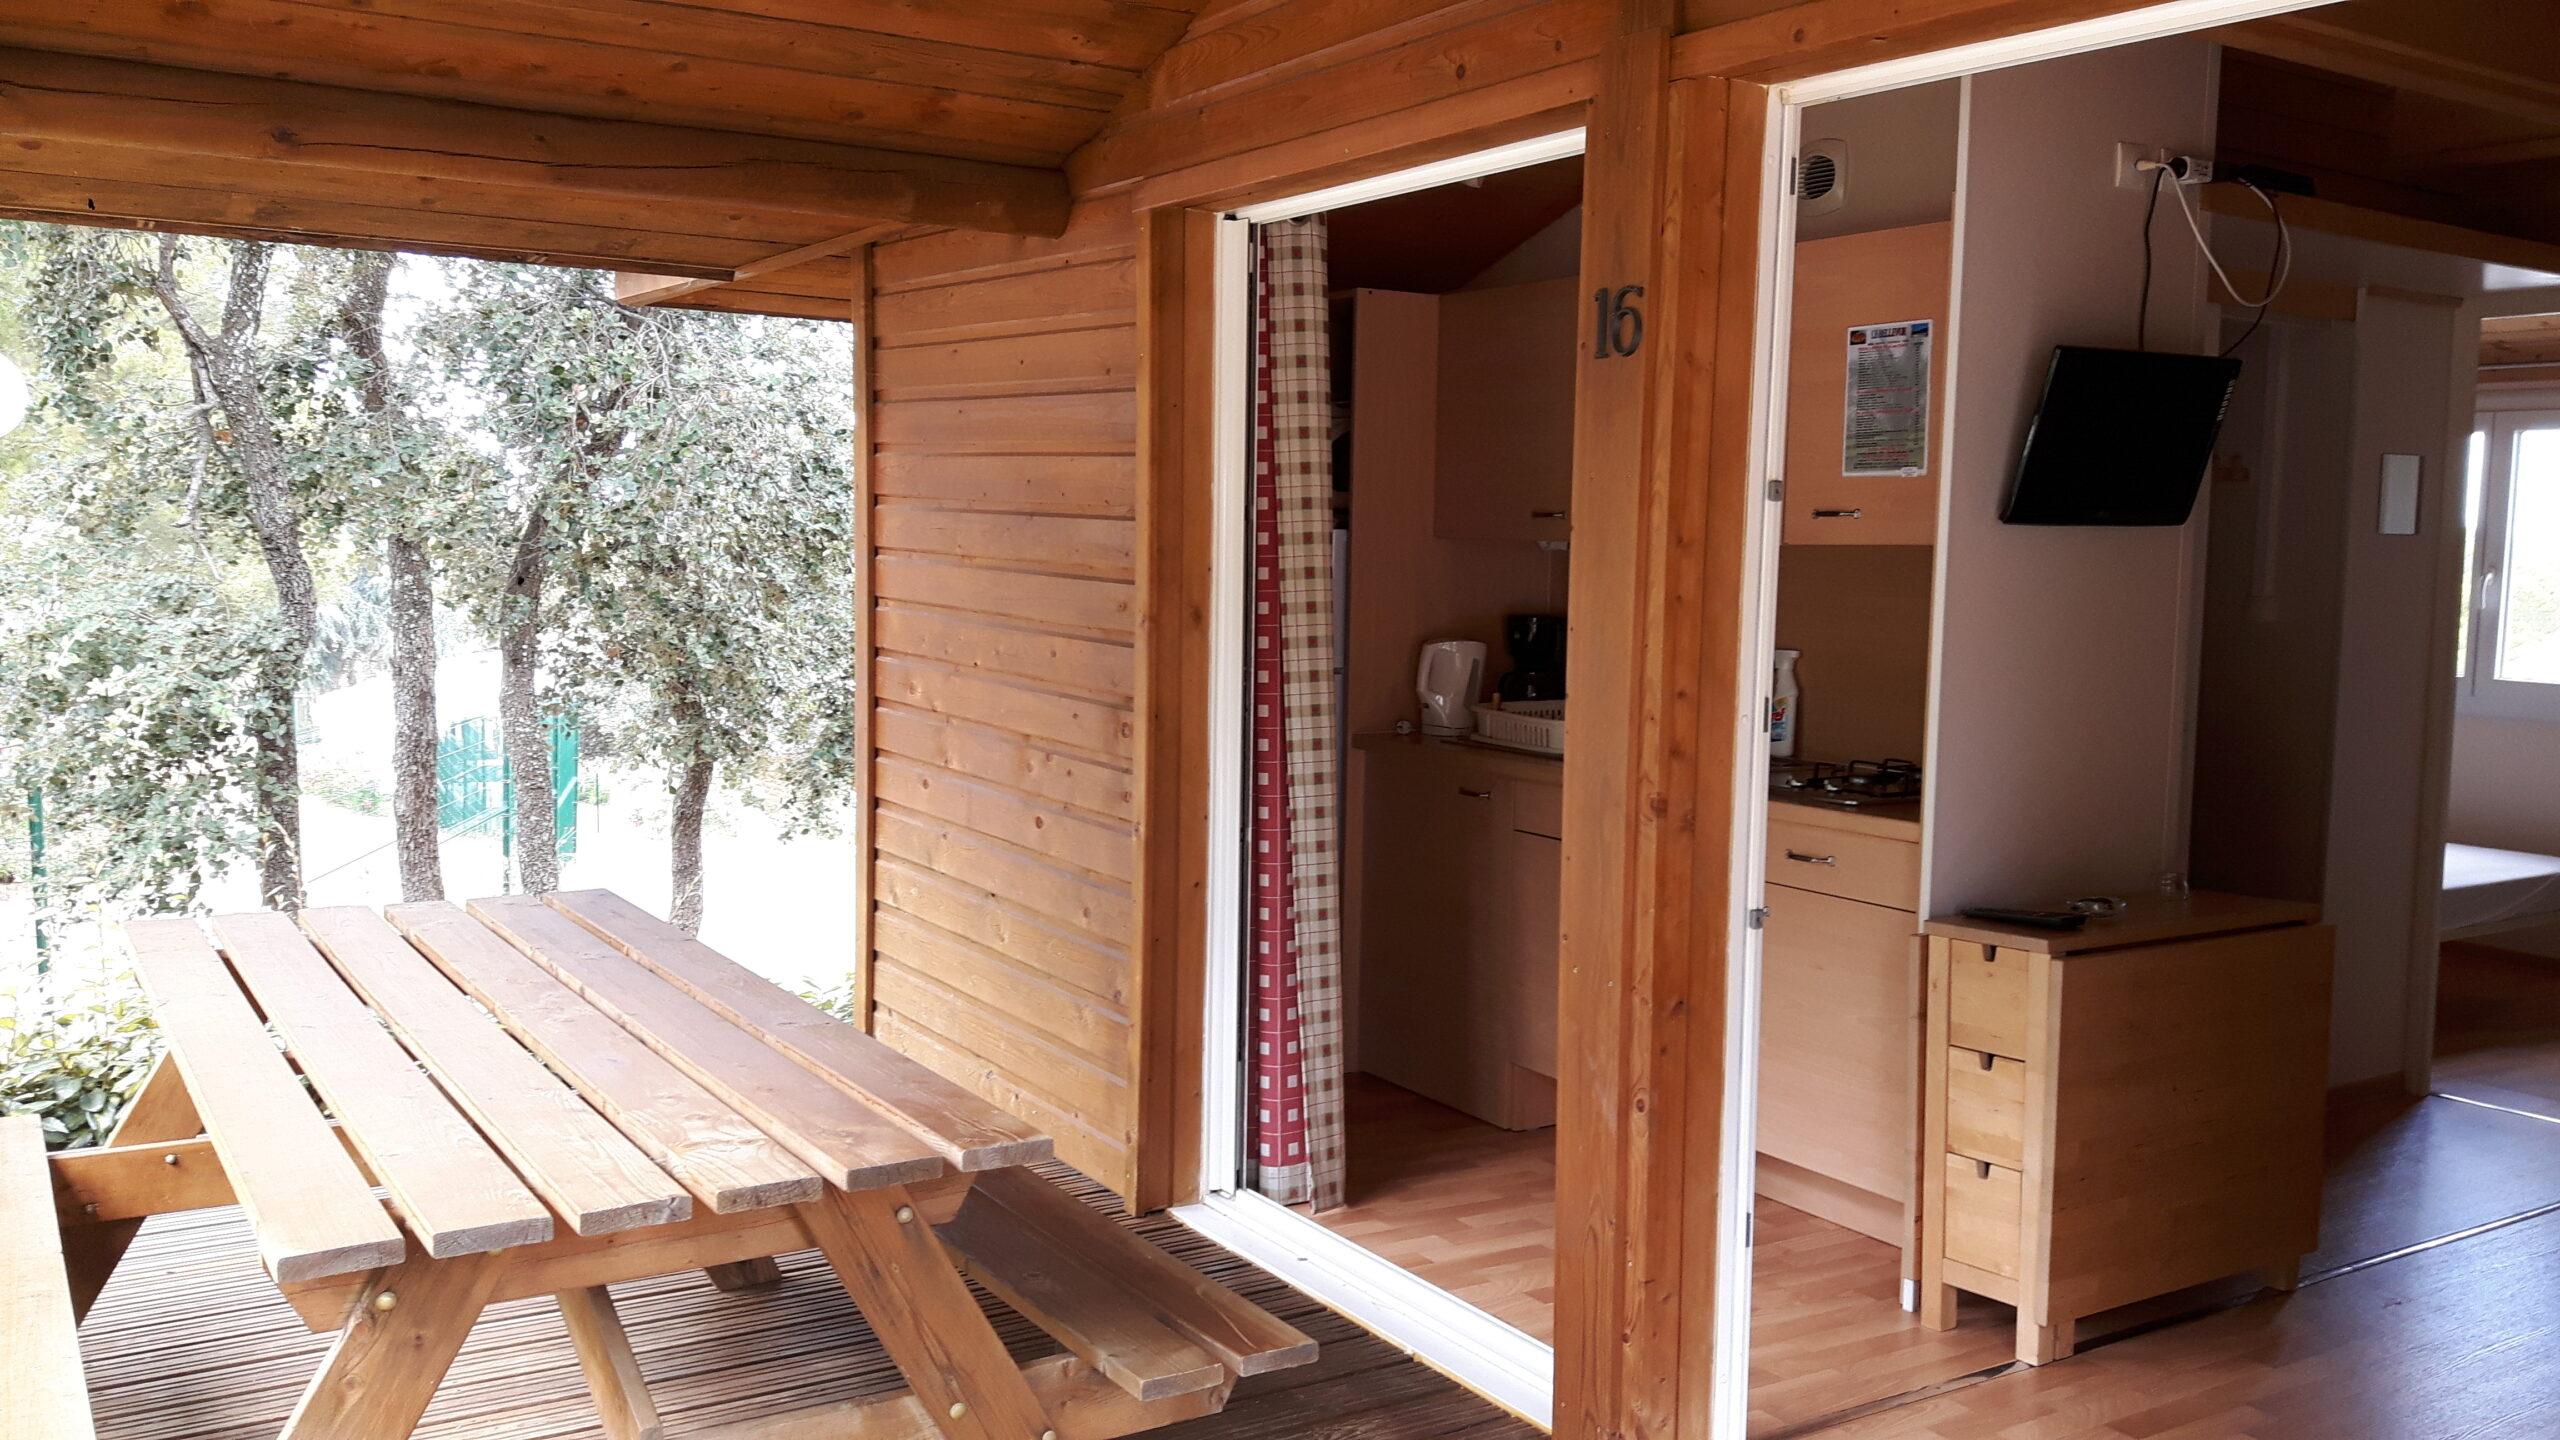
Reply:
x=1982, y=1215
x=1873, y=510
x=1987, y=1107
x=1872, y=868
x=1987, y=999
x=1837, y=1012
x=1538, y=809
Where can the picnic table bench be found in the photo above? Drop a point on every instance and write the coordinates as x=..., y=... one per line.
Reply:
x=554, y=1094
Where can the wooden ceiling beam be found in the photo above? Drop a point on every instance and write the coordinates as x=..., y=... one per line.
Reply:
x=2338, y=44
x=662, y=289
x=182, y=114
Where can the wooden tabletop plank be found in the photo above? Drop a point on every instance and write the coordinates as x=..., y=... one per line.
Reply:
x=457, y=1196
x=43, y=1394
x=718, y=1154
x=573, y=1158
x=967, y=1131
x=313, y=1213
x=851, y=1144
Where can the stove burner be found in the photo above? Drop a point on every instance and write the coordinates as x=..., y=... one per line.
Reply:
x=1857, y=783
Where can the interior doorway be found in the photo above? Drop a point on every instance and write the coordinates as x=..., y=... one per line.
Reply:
x=1394, y=521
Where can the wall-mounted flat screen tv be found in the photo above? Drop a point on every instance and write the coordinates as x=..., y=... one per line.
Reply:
x=2122, y=438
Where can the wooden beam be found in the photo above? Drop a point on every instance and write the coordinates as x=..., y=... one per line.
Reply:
x=1794, y=41
x=186, y=113
x=613, y=1373
x=42, y=1393
x=2350, y=40
x=635, y=289
x=2381, y=227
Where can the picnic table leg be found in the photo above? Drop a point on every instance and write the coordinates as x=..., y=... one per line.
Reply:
x=612, y=1371
x=910, y=1289
x=161, y=1110
x=395, y=1350
x=757, y=1274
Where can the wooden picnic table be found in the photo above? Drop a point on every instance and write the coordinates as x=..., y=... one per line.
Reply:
x=556, y=1093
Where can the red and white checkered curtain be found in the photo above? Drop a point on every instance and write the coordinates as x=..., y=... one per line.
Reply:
x=1296, y=935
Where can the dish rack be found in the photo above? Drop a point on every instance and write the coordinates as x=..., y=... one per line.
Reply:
x=1536, y=725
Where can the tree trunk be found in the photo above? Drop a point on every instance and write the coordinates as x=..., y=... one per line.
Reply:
x=413, y=611
x=413, y=720
x=684, y=846
x=228, y=366
x=537, y=841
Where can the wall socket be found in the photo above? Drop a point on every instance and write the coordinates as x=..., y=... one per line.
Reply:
x=2130, y=154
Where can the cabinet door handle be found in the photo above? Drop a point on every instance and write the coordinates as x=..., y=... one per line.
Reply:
x=1475, y=794
x=1546, y=514
x=1852, y=513
x=1802, y=858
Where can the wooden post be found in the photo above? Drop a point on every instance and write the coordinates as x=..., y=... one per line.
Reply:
x=1661, y=510
x=866, y=858
x=1176, y=395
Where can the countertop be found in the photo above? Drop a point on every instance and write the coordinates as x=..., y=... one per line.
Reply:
x=2145, y=920
x=1519, y=764
x=1889, y=822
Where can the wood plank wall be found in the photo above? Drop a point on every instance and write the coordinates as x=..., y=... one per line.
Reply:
x=1001, y=555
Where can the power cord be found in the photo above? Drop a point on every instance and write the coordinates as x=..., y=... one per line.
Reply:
x=2142, y=317
x=2279, y=264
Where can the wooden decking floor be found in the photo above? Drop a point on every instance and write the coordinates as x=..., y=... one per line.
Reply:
x=191, y=1342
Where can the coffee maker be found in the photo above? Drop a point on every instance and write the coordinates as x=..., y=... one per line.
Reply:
x=1536, y=646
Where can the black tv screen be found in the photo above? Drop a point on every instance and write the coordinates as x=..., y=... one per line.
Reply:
x=2122, y=438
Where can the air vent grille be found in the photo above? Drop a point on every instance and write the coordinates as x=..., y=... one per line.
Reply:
x=1822, y=178
x=1821, y=173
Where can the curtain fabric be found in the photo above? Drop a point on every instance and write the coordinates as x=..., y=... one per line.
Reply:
x=1296, y=906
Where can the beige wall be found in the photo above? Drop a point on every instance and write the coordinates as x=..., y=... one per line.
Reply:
x=2506, y=783
x=1898, y=159
x=2066, y=655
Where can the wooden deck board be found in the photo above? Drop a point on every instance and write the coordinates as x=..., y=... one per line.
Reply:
x=190, y=1342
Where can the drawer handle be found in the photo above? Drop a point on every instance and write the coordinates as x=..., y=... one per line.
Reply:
x=1986, y=1058
x=1802, y=858
x=1852, y=513
x=1475, y=794
x=1546, y=514
x=1981, y=1169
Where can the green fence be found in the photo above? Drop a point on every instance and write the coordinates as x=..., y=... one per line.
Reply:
x=476, y=787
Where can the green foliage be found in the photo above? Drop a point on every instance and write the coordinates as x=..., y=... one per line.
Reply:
x=75, y=1055
x=833, y=996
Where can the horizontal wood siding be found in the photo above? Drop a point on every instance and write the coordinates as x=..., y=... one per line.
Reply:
x=1001, y=561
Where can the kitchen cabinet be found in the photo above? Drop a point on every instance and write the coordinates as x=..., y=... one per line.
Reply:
x=1459, y=896
x=1504, y=467
x=1875, y=278
x=1839, y=1017
x=2121, y=1111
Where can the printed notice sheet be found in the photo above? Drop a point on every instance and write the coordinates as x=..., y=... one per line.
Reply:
x=1885, y=429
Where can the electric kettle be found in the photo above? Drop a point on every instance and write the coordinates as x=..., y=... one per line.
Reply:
x=1449, y=680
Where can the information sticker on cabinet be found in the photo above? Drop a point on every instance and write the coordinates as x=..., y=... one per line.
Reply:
x=1885, y=422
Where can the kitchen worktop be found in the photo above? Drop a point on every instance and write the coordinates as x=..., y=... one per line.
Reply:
x=2145, y=920
x=1520, y=764
x=1885, y=822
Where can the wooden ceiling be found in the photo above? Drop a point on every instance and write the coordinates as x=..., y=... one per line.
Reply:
x=2441, y=111
x=691, y=140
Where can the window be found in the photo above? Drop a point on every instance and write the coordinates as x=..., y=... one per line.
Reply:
x=2508, y=658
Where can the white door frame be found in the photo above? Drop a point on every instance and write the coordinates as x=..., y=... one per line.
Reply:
x=1787, y=102
x=1495, y=1359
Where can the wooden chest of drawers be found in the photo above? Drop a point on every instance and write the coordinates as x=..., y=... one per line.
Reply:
x=2119, y=1112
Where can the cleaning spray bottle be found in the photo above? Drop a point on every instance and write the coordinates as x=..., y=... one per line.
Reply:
x=1783, y=707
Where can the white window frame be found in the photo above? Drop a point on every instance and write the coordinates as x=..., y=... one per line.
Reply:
x=2478, y=690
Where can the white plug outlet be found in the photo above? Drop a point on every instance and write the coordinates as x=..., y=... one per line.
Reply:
x=2129, y=157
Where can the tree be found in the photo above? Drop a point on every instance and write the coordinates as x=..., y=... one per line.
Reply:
x=550, y=363
x=400, y=512
x=711, y=610
x=207, y=450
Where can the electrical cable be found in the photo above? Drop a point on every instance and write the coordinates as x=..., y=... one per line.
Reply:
x=2142, y=316
x=2275, y=282
x=2280, y=263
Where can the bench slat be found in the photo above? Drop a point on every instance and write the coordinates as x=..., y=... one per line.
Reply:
x=724, y=1160
x=312, y=1211
x=1065, y=1293
x=969, y=1132
x=43, y=1393
x=1246, y=1338
x=851, y=1144
x=457, y=1196
x=572, y=1157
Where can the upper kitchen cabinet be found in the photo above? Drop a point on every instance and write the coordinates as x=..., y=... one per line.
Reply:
x=1505, y=429
x=1865, y=381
